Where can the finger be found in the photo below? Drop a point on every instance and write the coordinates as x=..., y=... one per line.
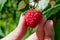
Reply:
x=40, y=30
x=22, y=26
x=49, y=30
x=22, y=19
x=19, y=32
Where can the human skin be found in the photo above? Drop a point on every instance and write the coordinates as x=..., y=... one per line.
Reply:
x=45, y=30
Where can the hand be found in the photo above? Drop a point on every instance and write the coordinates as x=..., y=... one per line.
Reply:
x=45, y=31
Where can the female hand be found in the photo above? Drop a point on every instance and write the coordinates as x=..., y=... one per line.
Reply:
x=45, y=30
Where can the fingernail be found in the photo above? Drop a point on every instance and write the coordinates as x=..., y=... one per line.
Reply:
x=51, y=22
x=23, y=13
x=48, y=39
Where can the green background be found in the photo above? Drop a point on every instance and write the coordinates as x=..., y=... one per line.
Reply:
x=9, y=17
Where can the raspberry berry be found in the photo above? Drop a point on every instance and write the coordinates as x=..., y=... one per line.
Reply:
x=33, y=17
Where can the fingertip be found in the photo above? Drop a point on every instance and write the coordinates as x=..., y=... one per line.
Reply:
x=22, y=19
x=22, y=15
x=47, y=39
x=49, y=30
x=49, y=23
x=44, y=19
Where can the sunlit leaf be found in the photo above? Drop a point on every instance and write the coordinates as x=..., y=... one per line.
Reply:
x=2, y=2
x=1, y=33
x=21, y=5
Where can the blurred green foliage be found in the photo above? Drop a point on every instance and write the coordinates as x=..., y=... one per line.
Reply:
x=9, y=17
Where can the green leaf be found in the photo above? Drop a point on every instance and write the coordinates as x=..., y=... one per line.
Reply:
x=1, y=33
x=57, y=31
x=21, y=5
x=57, y=1
x=29, y=32
x=52, y=11
x=2, y=2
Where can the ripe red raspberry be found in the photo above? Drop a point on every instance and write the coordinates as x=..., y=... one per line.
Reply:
x=33, y=17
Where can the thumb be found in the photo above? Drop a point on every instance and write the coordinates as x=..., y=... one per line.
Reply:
x=22, y=27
